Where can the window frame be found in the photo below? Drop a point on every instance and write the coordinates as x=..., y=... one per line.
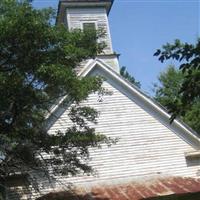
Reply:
x=89, y=22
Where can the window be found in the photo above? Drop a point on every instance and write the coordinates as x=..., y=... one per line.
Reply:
x=89, y=26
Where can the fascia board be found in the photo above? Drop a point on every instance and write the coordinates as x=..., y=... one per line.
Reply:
x=177, y=126
x=55, y=107
x=186, y=134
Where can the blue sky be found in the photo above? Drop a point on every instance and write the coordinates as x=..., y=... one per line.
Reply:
x=139, y=27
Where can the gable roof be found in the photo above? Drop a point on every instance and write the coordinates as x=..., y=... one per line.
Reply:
x=159, y=112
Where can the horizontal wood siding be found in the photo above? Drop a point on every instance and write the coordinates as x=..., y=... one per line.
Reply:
x=75, y=16
x=146, y=147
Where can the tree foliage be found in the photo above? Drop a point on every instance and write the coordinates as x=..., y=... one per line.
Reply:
x=129, y=77
x=37, y=62
x=167, y=94
x=188, y=56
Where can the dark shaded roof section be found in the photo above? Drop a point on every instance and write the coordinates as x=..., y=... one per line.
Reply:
x=63, y=4
x=152, y=189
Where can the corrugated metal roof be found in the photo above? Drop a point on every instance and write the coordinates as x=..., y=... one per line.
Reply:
x=136, y=190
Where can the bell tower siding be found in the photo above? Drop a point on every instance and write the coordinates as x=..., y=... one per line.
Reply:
x=77, y=16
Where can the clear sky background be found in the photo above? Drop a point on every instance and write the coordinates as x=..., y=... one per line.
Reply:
x=139, y=27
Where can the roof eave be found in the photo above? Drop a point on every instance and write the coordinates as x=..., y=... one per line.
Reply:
x=63, y=4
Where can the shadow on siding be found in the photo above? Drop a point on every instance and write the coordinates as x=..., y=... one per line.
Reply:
x=71, y=196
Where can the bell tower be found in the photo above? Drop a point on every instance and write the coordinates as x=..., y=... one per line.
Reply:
x=81, y=14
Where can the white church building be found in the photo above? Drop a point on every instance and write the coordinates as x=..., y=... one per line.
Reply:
x=149, y=146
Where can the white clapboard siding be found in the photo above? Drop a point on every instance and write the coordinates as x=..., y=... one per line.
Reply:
x=145, y=146
x=76, y=16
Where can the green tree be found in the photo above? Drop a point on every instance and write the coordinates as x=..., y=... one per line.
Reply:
x=188, y=56
x=167, y=94
x=128, y=77
x=37, y=62
x=167, y=91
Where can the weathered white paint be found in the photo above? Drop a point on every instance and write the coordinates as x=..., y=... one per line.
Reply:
x=75, y=17
x=147, y=146
x=144, y=101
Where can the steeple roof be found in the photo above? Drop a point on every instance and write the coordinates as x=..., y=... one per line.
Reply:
x=63, y=4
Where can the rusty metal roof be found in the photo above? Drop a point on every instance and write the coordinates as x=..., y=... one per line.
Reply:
x=135, y=190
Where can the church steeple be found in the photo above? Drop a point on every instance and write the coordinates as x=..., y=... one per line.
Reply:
x=80, y=14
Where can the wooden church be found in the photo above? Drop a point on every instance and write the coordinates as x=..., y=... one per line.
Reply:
x=149, y=150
